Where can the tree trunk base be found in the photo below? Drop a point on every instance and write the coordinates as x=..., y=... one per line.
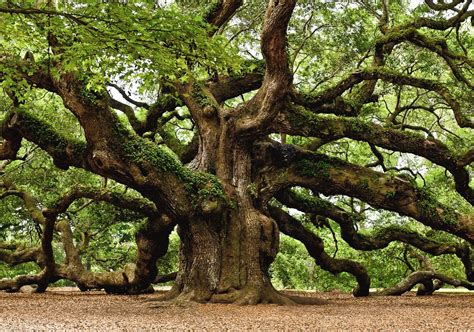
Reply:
x=246, y=296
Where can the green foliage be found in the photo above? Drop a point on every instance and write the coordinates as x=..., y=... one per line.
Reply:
x=150, y=48
x=169, y=262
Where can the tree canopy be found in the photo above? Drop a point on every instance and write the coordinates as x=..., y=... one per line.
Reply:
x=341, y=124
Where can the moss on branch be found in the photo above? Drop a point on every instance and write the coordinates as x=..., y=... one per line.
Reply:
x=66, y=151
x=199, y=185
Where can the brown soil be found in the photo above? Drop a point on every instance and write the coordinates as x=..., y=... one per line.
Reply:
x=66, y=310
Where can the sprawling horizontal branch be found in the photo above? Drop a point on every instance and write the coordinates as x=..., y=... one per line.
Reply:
x=16, y=283
x=436, y=45
x=39, y=11
x=18, y=254
x=152, y=242
x=332, y=176
x=113, y=151
x=338, y=105
x=379, y=238
x=231, y=87
x=298, y=121
x=443, y=5
x=30, y=202
x=65, y=151
x=315, y=246
x=443, y=24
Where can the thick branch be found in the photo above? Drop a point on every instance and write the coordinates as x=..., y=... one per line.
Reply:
x=277, y=80
x=65, y=151
x=332, y=176
x=124, y=201
x=19, y=254
x=231, y=87
x=9, y=147
x=396, y=78
x=442, y=5
x=298, y=121
x=222, y=11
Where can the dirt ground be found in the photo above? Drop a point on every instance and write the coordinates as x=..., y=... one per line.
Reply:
x=71, y=310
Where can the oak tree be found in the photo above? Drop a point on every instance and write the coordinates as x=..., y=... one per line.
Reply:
x=225, y=117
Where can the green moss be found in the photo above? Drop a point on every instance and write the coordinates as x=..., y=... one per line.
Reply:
x=202, y=185
x=358, y=126
x=312, y=203
x=364, y=184
x=311, y=168
x=140, y=150
x=300, y=118
x=431, y=208
x=46, y=136
x=199, y=185
x=199, y=96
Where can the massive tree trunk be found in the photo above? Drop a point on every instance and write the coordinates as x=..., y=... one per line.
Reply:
x=225, y=257
x=227, y=260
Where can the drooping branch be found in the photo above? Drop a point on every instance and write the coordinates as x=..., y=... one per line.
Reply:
x=376, y=239
x=443, y=24
x=46, y=257
x=315, y=246
x=123, y=201
x=65, y=151
x=134, y=278
x=443, y=5
x=420, y=277
x=115, y=152
x=152, y=243
x=17, y=254
x=16, y=283
x=438, y=46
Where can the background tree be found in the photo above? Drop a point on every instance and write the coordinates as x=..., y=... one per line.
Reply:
x=356, y=114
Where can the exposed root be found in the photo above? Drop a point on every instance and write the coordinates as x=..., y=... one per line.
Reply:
x=173, y=293
x=306, y=300
x=250, y=295
x=265, y=295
